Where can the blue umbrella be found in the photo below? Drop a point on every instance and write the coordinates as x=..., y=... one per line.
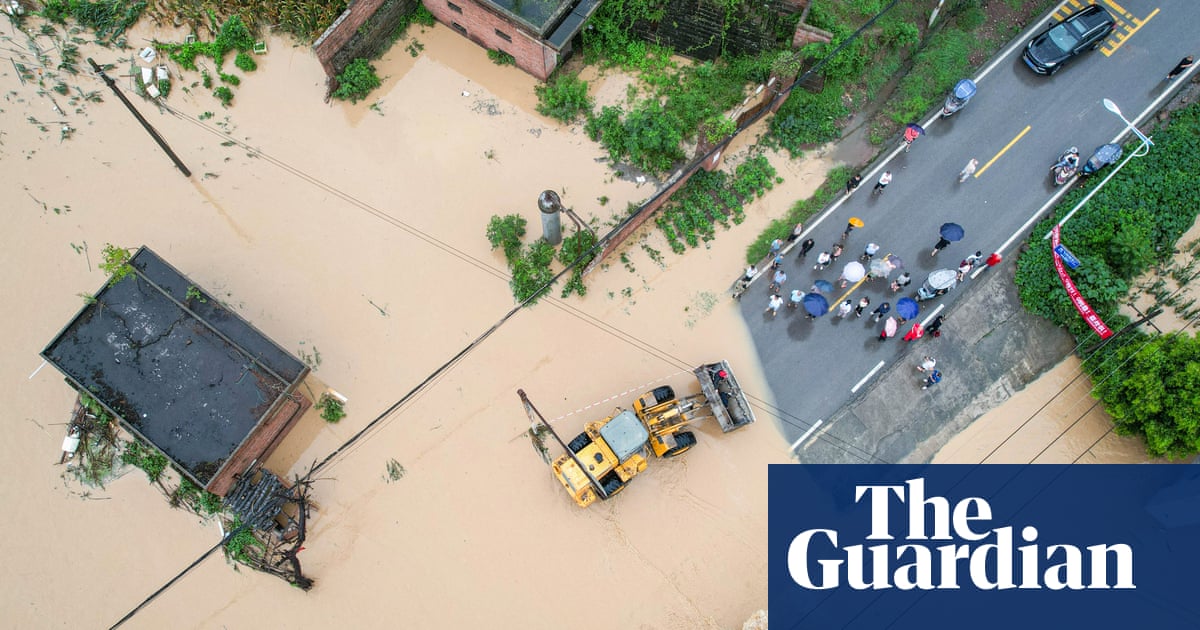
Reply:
x=907, y=308
x=823, y=285
x=951, y=231
x=815, y=304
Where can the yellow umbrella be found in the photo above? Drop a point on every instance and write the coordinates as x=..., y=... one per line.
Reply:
x=856, y=222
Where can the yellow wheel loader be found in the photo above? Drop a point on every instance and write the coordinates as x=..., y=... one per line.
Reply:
x=599, y=462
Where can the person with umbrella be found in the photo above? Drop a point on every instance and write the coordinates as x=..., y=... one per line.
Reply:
x=815, y=305
x=907, y=308
x=821, y=286
x=948, y=233
x=915, y=333
x=889, y=329
x=856, y=222
x=853, y=272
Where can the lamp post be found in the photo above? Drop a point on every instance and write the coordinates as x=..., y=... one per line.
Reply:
x=1143, y=149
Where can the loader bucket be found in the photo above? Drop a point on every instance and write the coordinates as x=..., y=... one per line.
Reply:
x=725, y=397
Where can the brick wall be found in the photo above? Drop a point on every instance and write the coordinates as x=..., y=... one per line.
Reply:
x=363, y=30
x=480, y=26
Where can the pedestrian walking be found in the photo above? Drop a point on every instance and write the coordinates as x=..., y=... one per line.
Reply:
x=740, y=287
x=968, y=170
x=1179, y=68
x=773, y=304
x=796, y=298
x=964, y=268
x=751, y=271
x=914, y=333
x=869, y=252
x=844, y=309
x=941, y=244
x=777, y=280
x=862, y=306
x=776, y=245
x=796, y=232
x=901, y=281
x=884, y=180
x=975, y=258
x=926, y=364
x=823, y=260
x=912, y=131
x=853, y=183
x=835, y=252
x=805, y=247
x=881, y=310
x=778, y=261
x=935, y=327
x=934, y=378
x=994, y=259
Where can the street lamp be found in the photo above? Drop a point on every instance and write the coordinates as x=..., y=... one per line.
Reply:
x=1143, y=149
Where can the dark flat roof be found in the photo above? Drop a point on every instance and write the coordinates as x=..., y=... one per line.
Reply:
x=192, y=378
x=537, y=15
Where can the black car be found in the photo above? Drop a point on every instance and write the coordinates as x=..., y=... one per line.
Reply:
x=1057, y=45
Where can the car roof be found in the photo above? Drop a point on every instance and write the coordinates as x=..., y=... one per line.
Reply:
x=1093, y=15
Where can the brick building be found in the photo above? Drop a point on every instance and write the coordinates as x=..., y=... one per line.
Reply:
x=537, y=33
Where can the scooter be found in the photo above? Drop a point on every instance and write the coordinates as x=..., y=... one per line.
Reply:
x=962, y=92
x=1066, y=166
x=1104, y=155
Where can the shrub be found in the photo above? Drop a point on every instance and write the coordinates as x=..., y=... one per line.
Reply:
x=147, y=458
x=806, y=118
x=231, y=79
x=245, y=62
x=501, y=58
x=332, y=409
x=223, y=94
x=565, y=98
x=356, y=81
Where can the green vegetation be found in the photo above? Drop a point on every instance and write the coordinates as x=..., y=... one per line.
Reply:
x=192, y=497
x=799, y=212
x=501, y=58
x=146, y=457
x=1129, y=225
x=529, y=264
x=115, y=263
x=710, y=198
x=224, y=94
x=577, y=249
x=245, y=62
x=239, y=546
x=332, y=409
x=356, y=81
x=194, y=293
x=109, y=18
x=564, y=98
x=420, y=15
x=232, y=36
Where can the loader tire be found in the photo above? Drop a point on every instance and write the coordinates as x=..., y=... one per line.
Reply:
x=580, y=442
x=663, y=394
x=684, y=441
x=612, y=484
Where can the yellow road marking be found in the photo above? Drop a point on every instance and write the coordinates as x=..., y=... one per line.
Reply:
x=1129, y=33
x=1116, y=7
x=1006, y=148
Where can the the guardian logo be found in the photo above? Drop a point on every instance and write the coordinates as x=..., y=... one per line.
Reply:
x=975, y=553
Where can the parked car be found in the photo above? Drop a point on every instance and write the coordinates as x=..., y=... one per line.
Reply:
x=1061, y=42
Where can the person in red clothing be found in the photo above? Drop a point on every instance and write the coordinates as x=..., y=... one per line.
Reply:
x=994, y=259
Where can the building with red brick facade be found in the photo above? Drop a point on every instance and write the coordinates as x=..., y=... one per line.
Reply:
x=537, y=33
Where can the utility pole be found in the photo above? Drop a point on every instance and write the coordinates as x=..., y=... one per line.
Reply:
x=136, y=114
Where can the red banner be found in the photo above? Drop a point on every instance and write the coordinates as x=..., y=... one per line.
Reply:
x=1081, y=305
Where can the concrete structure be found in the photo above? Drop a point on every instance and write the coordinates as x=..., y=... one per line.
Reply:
x=182, y=372
x=539, y=34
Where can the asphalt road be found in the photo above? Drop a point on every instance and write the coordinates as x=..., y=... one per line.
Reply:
x=1016, y=126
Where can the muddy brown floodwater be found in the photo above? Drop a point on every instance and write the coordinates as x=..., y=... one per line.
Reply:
x=357, y=232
